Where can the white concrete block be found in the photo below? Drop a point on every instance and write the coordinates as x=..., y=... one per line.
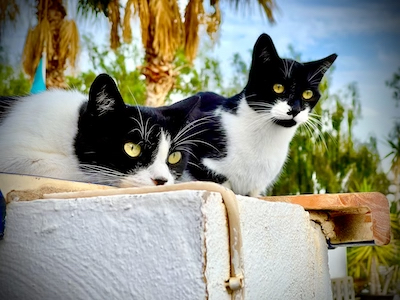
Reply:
x=172, y=245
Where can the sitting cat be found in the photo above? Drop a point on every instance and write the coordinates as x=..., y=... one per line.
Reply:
x=246, y=141
x=95, y=138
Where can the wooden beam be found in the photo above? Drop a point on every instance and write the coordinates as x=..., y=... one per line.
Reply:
x=348, y=218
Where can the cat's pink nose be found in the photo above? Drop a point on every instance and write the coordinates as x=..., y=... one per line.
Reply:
x=159, y=180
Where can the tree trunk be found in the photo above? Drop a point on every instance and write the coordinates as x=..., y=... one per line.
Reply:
x=160, y=79
x=55, y=68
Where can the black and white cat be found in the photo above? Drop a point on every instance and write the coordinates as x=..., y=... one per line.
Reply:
x=248, y=136
x=95, y=138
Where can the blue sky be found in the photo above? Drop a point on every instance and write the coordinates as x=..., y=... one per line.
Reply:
x=365, y=34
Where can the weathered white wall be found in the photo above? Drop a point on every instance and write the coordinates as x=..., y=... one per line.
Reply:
x=158, y=246
x=285, y=254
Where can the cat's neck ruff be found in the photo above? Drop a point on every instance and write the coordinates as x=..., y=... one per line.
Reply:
x=256, y=129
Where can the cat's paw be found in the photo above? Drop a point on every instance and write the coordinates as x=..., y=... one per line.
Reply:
x=255, y=193
x=227, y=184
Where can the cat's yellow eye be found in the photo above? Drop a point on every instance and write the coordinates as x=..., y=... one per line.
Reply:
x=307, y=94
x=174, y=157
x=132, y=149
x=278, y=88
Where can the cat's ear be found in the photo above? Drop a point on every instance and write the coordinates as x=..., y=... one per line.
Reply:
x=318, y=68
x=264, y=50
x=104, y=96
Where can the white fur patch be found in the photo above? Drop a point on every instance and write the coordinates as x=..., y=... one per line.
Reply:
x=280, y=111
x=42, y=146
x=302, y=117
x=156, y=171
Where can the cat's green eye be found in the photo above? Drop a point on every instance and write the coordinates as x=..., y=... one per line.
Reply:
x=307, y=94
x=174, y=157
x=278, y=88
x=132, y=149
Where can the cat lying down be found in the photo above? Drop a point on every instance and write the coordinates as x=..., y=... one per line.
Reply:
x=94, y=138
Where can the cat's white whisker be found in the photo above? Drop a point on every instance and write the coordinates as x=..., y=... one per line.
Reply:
x=191, y=126
x=133, y=96
x=315, y=131
x=191, y=135
x=146, y=133
x=290, y=69
x=187, y=150
x=286, y=68
x=150, y=131
x=194, y=164
x=141, y=122
x=140, y=129
x=264, y=119
x=249, y=96
x=195, y=142
x=322, y=69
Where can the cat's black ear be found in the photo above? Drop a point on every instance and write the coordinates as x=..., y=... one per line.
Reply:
x=318, y=68
x=264, y=50
x=104, y=96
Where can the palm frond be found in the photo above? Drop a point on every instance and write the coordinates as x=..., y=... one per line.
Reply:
x=115, y=19
x=194, y=13
x=142, y=10
x=214, y=20
x=165, y=28
x=268, y=6
x=88, y=7
x=37, y=39
x=69, y=42
x=126, y=25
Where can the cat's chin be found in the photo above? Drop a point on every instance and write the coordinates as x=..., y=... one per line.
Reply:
x=285, y=123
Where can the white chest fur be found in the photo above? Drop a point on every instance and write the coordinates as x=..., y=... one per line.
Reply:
x=256, y=150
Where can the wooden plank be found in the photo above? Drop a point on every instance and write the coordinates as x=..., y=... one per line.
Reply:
x=350, y=218
x=27, y=187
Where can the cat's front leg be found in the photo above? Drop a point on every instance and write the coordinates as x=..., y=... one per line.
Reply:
x=255, y=193
x=227, y=184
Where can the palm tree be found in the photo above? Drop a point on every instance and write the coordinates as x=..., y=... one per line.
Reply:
x=163, y=32
x=55, y=35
